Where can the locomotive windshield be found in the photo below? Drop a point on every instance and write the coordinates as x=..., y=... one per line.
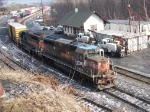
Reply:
x=93, y=53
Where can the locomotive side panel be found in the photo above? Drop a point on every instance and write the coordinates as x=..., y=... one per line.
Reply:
x=32, y=41
x=65, y=52
x=49, y=48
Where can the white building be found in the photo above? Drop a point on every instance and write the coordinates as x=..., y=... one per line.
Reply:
x=75, y=22
x=123, y=25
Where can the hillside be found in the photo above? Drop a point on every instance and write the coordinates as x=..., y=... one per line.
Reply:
x=25, y=92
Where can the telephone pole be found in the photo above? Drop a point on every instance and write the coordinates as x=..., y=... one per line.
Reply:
x=42, y=12
x=129, y=14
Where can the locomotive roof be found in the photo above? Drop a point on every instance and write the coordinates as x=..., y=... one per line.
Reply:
x=51, y=38
x=87, y=47
x=97, y=58
x=56, y=39
x=64, y=41
x=80, y=46
x=37, y=34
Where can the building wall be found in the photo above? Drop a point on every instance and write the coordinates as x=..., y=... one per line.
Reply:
x=137, y=43
x=124, y=27
x=94, y=20
x=67, y=30
x=71, y=31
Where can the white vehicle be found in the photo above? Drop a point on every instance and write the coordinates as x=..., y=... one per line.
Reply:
x=82, y=38
x=13, y=13
x=10, y=21
x=113, y=47
x=46, y=27
x=51, y=28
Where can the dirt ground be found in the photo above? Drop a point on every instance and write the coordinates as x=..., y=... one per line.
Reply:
x=46, y=94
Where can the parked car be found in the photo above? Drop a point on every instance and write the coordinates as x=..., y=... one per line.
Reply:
x=46, y=28
x=51, y=28
x=61, y=27
x=58, y=31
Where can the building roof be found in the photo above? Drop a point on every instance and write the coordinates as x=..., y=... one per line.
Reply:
x=76, y=19
x=122, y=34
x=126, y=22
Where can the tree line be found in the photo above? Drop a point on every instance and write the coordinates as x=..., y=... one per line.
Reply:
x=109, y=9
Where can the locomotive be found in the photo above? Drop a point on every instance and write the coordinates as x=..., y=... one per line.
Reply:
x=87, y=61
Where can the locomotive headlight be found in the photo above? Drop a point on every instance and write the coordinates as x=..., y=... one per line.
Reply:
x=104, y=76
x=99, y=64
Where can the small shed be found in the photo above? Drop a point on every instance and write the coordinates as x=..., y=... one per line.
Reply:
x=135, y=41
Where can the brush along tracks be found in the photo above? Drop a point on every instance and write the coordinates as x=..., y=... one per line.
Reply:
x=126, y=97
x=133, y=74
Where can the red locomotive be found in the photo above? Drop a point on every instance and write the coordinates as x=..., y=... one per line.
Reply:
x=86, y=60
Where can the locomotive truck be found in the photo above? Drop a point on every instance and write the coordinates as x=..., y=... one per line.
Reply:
x=87, y=61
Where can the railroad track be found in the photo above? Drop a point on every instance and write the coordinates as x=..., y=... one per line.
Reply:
x=11, y=63
x=8, y=64
x=133, y=74
x=135, y=101
x=133, y=95
x=88, y=103
x=26, y=18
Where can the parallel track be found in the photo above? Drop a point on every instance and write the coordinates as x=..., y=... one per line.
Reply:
x=130, y=94
x=11, y=63
x=137, y=106
x=133, y=74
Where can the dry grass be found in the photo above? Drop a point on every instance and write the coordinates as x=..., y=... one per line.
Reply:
x=51, y=81
x=46, y=94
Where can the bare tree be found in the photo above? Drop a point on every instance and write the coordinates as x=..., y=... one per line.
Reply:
x=109, y=9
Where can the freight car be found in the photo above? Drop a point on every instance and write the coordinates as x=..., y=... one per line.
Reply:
x=14, y=29
x=86, y=60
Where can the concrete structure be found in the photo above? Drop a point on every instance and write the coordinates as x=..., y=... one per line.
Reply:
x=75, y=22
x=123, y=25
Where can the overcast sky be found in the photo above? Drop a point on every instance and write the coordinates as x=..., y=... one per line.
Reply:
x=26, y=1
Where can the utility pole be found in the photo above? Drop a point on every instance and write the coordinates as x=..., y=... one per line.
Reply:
x=129, y=14
x=42, y=12
x=145, y=9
